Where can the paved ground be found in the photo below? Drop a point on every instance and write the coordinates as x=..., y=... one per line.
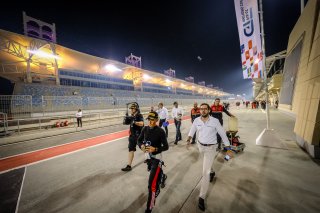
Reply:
x=89, y=179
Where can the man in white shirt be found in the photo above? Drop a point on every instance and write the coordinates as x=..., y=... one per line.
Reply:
x=163, y=116
x=207, y=128
x=79, y=118
x=177, y=113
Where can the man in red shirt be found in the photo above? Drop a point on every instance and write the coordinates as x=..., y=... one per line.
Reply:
x=195, y=112
x=216, y=111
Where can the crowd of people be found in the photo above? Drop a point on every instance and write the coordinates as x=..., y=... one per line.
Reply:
x=206, y=131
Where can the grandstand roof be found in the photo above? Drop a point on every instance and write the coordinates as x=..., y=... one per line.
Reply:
x=14, y=54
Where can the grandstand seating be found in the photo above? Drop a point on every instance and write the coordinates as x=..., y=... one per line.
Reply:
x=77, y=78
x=53, y=98
x=155, y=88
x=183, y=92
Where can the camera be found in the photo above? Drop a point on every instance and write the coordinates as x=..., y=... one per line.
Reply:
x=127, y=120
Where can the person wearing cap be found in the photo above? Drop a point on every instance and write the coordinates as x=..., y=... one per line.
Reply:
x=135, y=130
x=177, y=113
x=164, y=116
x=153, y=141
x=195, y=112
x=207, y=128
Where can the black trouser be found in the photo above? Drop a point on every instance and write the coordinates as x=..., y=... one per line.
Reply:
x=166, y=128
x=194, y=137
x=79, y=121
x=155, y=178
x=178, y=132
x=195, y=134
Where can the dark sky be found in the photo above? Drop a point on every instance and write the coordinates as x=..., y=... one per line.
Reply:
x=165, y=33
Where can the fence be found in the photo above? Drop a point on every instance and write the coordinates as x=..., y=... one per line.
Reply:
x=18, y=106
x=3, y=124
x=23, y=106
x=48, y=125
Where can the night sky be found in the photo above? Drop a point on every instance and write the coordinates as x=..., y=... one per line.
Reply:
x=166, y=34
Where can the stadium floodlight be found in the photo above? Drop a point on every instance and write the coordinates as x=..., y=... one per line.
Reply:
x=112, y=68
x=168, y=81
x=146, y=77
x=182, y=85
x=43, y=54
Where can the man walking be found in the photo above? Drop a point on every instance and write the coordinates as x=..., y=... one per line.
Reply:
x=207, y=128
x=164, y=116
x=216, y=111
x=177, y=113
x=136, y=125
x=195, y=112
x=153, y=142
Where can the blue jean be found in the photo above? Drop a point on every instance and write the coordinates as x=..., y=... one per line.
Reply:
x=178, y=132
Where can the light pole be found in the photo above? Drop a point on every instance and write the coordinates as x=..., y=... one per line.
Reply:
x=267, y=137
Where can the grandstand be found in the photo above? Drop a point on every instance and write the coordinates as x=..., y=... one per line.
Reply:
x=72, y=80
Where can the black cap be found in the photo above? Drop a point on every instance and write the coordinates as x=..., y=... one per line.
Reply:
x=152, y=116
x=133, y=106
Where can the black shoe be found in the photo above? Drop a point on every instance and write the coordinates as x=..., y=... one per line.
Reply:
x=147, y=211
x=126, y=169
x=163, y=181
x=201, y=204
x=212, y=174
x=193, y=142
x=176, y=142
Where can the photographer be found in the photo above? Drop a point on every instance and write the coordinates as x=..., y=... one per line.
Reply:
x=153, y=141
x=136, y=123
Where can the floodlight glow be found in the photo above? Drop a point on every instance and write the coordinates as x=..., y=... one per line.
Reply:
x=256, y=61
x=146, y=77
x=112, y=68
x=182, y=84
x=168, y=81
x=43, y=54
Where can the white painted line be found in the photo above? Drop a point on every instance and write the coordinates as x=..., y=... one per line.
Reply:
x=60, y=145
x=18, y=201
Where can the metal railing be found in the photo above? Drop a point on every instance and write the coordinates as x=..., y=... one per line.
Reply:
x=69, y=122
x=26, y=106
x=3, y=123
x=18, y=106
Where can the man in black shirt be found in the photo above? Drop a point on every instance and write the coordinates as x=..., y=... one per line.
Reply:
x=135, y=130
x=153, y=142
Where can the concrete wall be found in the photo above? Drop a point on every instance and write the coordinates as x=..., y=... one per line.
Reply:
x=306, y=97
